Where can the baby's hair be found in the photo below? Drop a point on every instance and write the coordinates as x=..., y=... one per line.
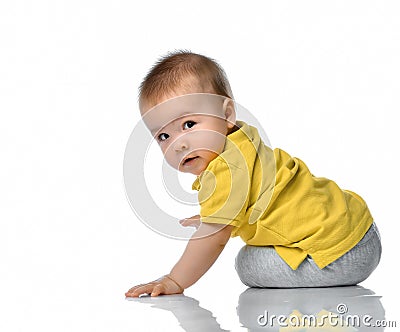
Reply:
x=177, y=70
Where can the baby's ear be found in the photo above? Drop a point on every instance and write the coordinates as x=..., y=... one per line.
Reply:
x=230, y=113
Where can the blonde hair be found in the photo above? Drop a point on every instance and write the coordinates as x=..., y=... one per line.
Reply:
x=177, y=70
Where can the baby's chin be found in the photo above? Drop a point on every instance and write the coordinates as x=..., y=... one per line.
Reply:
x=196, y=172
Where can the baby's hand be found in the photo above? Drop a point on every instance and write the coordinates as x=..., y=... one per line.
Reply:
x=191, y=222
x=164, y=285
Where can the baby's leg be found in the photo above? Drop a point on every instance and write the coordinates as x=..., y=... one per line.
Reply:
x=263, y=267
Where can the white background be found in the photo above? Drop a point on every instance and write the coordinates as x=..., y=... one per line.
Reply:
x=321, y=76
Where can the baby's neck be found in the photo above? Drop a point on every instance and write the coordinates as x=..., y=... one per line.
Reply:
x=234, y=128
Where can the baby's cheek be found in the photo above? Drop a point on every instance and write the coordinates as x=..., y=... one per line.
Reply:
x=171, y=158
x=212, y=141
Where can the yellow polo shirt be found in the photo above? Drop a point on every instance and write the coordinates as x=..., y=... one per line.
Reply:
x=272, y=199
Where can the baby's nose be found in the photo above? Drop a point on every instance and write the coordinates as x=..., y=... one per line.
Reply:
x=181, y=144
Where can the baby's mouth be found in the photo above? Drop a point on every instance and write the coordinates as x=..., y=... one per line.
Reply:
x=188, y=161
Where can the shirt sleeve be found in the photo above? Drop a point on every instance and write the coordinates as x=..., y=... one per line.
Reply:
x=223, y=193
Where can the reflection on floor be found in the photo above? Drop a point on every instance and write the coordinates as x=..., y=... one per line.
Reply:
x=350, y=308
x=186, y=309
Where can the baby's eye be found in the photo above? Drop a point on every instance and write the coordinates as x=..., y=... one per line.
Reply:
x=162, y=137
x=188, y=124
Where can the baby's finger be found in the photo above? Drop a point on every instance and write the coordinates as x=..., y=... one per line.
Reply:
x=189, y=222
x=158, y=289
x=185, y=222
x=131, y=290
x=138, y=290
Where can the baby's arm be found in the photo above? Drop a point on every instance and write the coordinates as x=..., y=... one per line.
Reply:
x=200, y=254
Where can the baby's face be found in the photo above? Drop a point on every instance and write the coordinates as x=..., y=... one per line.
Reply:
x=191, y=129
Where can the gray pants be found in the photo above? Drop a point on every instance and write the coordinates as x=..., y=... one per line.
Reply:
x=263, y=267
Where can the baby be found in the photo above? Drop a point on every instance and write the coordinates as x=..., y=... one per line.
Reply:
x=300, y=230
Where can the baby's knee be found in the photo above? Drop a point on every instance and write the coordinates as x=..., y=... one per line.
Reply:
x=251, y=263
x=243, y=266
